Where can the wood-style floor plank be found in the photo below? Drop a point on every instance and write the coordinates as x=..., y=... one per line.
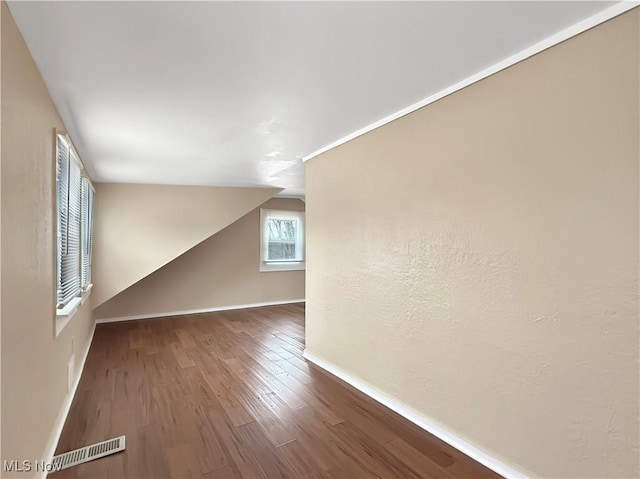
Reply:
x=228, y=396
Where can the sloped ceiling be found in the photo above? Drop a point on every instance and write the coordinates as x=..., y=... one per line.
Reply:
x=140, y=228
x=220, y=272
x=235, y=93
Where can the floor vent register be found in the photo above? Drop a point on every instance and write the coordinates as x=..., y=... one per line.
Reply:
x=88, y=453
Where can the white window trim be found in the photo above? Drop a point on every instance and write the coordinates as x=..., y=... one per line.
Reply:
x=64, y=315
x=270, y=266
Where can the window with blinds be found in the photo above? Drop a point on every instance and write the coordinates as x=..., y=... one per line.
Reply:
x=75, y=224
x=86, y=233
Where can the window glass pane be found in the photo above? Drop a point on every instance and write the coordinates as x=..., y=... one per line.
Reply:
x=282, y=239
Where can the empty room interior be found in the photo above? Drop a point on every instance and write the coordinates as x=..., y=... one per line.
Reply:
x=320, y=239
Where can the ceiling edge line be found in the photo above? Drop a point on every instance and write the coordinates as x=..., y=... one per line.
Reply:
x=555, y=39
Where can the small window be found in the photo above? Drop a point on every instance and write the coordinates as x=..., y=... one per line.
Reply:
x=282, y=242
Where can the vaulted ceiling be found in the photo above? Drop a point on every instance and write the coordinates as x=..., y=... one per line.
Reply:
x=236, y=93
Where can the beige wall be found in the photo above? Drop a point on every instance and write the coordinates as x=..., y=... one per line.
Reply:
x=222, y=271
x=34, y=363
x=140, y=228
x=1, y=10
x=478, y=259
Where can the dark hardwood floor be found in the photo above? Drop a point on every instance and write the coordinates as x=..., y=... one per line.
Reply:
x=228, y=395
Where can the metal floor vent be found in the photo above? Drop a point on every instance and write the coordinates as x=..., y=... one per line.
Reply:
x=88, y=453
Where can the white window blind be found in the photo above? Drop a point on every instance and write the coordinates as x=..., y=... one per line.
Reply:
x=87, y=232
x=62, y=182
x=74, y=198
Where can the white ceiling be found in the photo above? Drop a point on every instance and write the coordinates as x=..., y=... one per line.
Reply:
x=235, y=94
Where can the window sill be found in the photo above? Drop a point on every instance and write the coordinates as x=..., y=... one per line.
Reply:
x=64, y=315
x=86, y=293
x=284, y=266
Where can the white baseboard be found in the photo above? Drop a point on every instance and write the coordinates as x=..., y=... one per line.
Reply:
x=197, y=311
x=420, y=420
x=66, y=406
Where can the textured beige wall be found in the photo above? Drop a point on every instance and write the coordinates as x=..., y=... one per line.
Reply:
x=222, y=271
x=478, y=259
x=1, y=10
x=34, y=363
x=140, y=228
